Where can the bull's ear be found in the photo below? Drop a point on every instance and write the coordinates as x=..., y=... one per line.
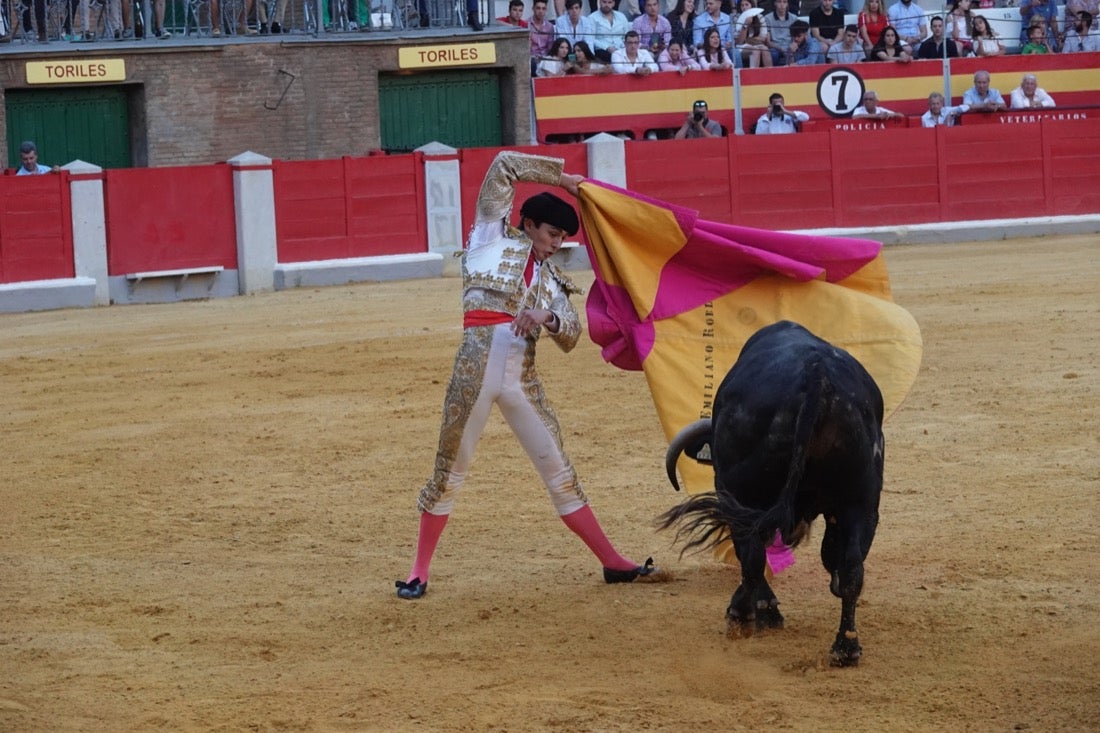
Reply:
x=700, y=452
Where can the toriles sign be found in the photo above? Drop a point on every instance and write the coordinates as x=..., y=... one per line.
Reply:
x=465, y=54
x=75, y=71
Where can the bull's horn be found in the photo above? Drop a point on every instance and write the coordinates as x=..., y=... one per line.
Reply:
x=690, y=434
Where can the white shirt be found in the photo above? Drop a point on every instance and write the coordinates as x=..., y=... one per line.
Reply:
x=947, y=116
x=1019, y=101
x=861, y=111
x=620, y=64
x=783, y=125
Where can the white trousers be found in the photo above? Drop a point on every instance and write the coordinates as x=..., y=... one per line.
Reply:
x=495, y=366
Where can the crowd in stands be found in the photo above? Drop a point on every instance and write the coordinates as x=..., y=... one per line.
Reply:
x=724, y=34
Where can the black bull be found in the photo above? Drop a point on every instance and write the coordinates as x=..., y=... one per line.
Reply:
x=796, y=432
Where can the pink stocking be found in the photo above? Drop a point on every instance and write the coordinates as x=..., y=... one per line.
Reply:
x=431, y=527
x=585, y=525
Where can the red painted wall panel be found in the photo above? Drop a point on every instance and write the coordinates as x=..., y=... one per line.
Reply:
x=1073, y=152
x=690, y=173
x=993, y=172
x=783, y=183
x=36, y=240
x=350, y=207
x=169, y=218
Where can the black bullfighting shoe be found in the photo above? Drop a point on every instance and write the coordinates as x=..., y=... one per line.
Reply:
x=649, y=570
x=411, y=590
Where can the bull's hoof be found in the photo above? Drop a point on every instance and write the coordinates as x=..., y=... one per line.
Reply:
x=769, y=617
x=846, y=650
x=411, y=590
x=737, y=628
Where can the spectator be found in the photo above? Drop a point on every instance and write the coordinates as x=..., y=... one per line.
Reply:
x=984, y=39
x=980, y=97
x=653, y=28
x=28, y=161
x=609, y=26
x=586, y=63
x=778, y=120
x=826, y=24
x=1092, y=7
x=1081, y=37
x=557, y=63
x=681, y=22
x=1036, y=41
x=711, y=56
x=633, y=59
x=871, y=110
x=959, y=17
x=514, y=17
x=908, y=19
x=1029, y=95
x=542, y=32
x=848, y=50
x=714, y=18
x=675, y=58
x=936, y=46
x=889, y=48
x=573, y=26
x=752, y=39
x=1045, y=9
x=939, y=114
x=698, y=124
x=779, y=23
x=803, y=49
x=872, y=22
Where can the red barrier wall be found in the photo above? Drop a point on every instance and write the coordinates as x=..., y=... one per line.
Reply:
x=351, y=207
x=476, y=161
x=36, y=228
x=169, y=218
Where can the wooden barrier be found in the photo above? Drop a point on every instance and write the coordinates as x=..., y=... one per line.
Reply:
x=36, y=234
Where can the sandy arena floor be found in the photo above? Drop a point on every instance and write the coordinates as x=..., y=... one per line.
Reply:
x=206, y=505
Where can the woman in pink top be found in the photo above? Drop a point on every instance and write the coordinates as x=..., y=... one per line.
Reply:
x=674, y=58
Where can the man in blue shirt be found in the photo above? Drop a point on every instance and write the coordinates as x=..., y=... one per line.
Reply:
x=714, y=17
x=28, y=156
x=980, y=98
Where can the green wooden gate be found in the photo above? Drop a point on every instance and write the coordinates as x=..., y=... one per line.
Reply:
x=89, y=124
x=457, y=108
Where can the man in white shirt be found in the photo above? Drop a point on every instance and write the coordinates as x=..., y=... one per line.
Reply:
x=1080, y=37
x=908, y=19
x=28, y=161
x=871, y=110
x=1029, y=95
x=940, y=114
x=608, y=26
x=779, y=120
x=633, y=59
x=573, y=26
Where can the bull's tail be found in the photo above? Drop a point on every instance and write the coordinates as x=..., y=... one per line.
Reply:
x=781, y=515
x=702, y=522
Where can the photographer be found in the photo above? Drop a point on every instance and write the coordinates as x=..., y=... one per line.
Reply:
x=698, y=124
x=779, y=120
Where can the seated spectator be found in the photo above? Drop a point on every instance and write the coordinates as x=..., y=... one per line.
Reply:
x=1092, y=7
x=633, y=59
x=714, y=18
x=980, y=97
x=653, y=28
x=872, y=22
x=542, y=33
x=573, y=26
x=681, y=23
x=1029, y=95
x=779, y=23
x=936, y=46
x=674, y=58
x=752, y=40
x=778, y=120
x=848, y=50
x=698, y=124
x=826, y=23
x=557, y=63
x=907, y=19
x=958, y=20
x=889, y=48
x=1047, y=12
x=1081, y=37
x=870, y=109
x=515, y=15
x=608, y=28
x=984, y=39
x=1036, y=41
x=586, y=63
x=804, y=49
x=711, y=55
x=940, y=114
